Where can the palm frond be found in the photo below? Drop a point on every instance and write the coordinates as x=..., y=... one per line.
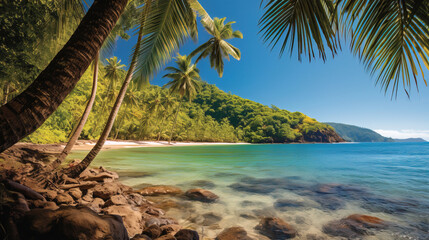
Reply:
x=301, y=24
x=166, y=27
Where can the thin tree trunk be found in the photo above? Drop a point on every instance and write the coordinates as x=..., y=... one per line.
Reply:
x=76, y=170
x=161, y=128
x=29, y=110
x=84, y=118
x=175, y=121
x=6, y=93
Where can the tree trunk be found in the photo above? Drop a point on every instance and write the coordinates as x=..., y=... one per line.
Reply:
x=161, y=128
x=6, y=93
x=175, y=121
x=81, y=124
x=121, y=121
x=29, y=110
x=78, y=169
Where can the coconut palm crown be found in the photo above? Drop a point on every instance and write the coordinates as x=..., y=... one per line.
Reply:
x=185, y=80
x=217, y=47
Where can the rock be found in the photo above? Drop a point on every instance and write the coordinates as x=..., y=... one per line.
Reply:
x=211, y=218
x=170, y=229
x=187, y=234
x=106, y=190
x=96, y=204
x=202, y=195
x=354, y=226
x=233, y=233
x=167, y=204
x=88, y=196
x=24, y=190
x=203, y=184
x=315, y=237
x=132, y=219
x=160, y=221
x=167, y=237
x=287, y=203
x=329, y=202
x=70, y=223
x=149, y=209
x=160, y=190
x=116, y=200
x=136, y=199
x=76, y=193
x=50, y=206
x=153, y=231
x=141, y=237
x=48, y=194
x=64, y=198
x=81, y=186
x=276, y=228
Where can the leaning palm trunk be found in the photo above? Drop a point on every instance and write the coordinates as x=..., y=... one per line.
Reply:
x=76, y=170
x=84, y=118
x=29, y=110
x=161, y=128
x=175, y=121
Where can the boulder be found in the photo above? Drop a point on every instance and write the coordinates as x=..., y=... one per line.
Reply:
x=136, y=199
x=354, y=226
x=106, y=190
x=187, y=234
x=133, y=220
x=167, y=237
x=88, y=196
x=201, y=195
x=160, y=190
x=116, y=200
x=76, y=193
x=141, y=237
x=96, y=204
x=48, y=194
x=152, y=231
x=233, y=233
x=170, y=229
x=64, y=198
x=276, y=228
x=70, y=223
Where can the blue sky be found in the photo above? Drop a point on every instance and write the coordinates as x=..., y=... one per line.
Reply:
x=339, y=90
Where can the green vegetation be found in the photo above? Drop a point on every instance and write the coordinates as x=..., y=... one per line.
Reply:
x=352, y=133
x=212, y=116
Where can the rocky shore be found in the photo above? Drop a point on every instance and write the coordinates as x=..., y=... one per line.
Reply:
x=97, y=206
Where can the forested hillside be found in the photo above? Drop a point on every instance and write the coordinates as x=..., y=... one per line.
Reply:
x=148, y=114
x=352, y=133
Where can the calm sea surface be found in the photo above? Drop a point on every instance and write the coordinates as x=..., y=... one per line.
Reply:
x=307, y=185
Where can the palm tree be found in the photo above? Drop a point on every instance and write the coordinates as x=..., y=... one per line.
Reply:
x=168, y=102
x=166, y=25
x=154, y=106
x=29, y=110
x=131, y=100
x=217, y=47
x=185, y=81
x=390, y=37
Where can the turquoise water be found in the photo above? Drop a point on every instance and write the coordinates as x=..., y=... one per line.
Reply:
x=387, y=180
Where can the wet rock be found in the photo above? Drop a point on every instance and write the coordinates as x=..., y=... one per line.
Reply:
x=211, y=218
x=135, y=199
x=64, y=198
x=71, y=223
x=247, y=216
x=167, y=237
x=141, y=237
x=201, y=195
x=153, y=231
x=98, y=175
x=276, y=228
x=315, y=237
x=116, y=200
x=160, y=190
x=167, y=204
x=203, y=184
x=287, y=203
x=353, y=226
x=106, y=190
x=132, y=219
x=329, y=202
x=259, y=189
x=187, y=234
x=233, y=233
x=160, y=221
x=76, y=193
x=170, y=229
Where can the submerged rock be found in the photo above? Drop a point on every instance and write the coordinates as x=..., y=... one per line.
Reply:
x=203, y=184
x=353, y=226
x=287, y=203
x=160, y=190
x=211, y=218
x=187, y=234
x=276, y=228
x=233, y=233
x=70, y=223
x=201, y=195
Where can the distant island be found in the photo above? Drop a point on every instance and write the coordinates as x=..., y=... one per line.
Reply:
x=352, y=133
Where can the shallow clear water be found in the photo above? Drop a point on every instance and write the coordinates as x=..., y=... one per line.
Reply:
x=387, y=180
